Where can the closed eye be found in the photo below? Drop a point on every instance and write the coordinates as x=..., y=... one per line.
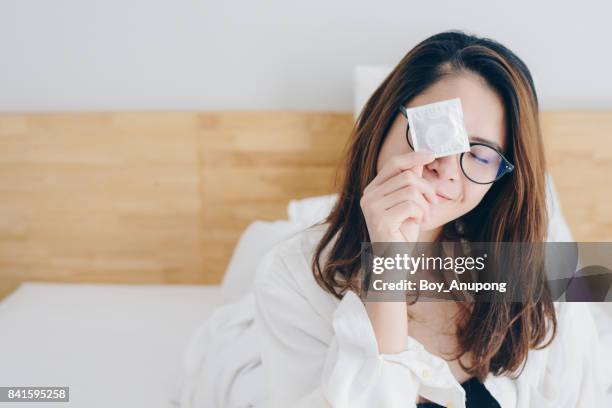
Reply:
x=480, y=159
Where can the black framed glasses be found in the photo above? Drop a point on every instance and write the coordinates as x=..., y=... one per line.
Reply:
x=483, y=164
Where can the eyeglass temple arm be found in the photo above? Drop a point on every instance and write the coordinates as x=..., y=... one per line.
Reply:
x=403, y=110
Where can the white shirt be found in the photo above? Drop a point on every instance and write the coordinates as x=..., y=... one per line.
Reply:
x=318, y=351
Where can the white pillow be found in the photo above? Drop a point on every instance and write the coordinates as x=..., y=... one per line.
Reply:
x=255, y=241
x=311, y=210
x=558, y=230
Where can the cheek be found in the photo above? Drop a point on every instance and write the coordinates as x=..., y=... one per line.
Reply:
x=472, y=195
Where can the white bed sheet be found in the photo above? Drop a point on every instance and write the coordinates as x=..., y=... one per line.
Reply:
x=113, y=345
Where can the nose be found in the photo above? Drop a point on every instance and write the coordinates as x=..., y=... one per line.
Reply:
x=446, y=168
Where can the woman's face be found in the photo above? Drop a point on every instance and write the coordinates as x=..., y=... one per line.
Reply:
x=484, y=120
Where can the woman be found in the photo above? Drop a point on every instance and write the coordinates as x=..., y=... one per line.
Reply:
x=321, y=346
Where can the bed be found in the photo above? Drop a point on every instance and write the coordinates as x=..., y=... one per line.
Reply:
x=125, y=345
x=121, y=232
x=113, y=345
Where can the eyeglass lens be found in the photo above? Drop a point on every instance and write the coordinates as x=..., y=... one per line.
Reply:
x=482, y=164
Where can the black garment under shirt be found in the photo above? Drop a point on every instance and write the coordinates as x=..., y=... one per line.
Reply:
x=476, y=396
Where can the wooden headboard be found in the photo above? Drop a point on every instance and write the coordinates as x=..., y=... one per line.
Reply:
x=163, y=197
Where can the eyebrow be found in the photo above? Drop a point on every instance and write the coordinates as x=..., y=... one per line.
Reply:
x=486, y=141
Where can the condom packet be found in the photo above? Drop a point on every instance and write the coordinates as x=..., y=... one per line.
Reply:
x=439, y=128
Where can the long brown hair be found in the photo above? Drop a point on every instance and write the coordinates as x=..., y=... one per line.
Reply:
x=498, y=334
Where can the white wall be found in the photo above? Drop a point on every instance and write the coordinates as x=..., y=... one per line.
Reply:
x=283, y=54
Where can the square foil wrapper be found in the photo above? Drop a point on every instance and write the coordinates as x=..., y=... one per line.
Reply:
x=439, y=128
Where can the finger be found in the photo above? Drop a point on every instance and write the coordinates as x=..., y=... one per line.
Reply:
x=398, y=163
x=401, y=162
x=404, y=179
x=410, y=193
x=398, y=214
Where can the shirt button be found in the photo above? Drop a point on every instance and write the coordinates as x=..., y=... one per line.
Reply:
x=426, y=372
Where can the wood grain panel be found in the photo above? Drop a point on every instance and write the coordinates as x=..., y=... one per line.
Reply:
x=99, y=198
x=162, y=197
x=252, y=164
x=579, y=157
x=150, y=197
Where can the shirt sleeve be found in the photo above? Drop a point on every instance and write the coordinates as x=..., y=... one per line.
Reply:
x=311, y=363
x=574, y=373
x=592, y=384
